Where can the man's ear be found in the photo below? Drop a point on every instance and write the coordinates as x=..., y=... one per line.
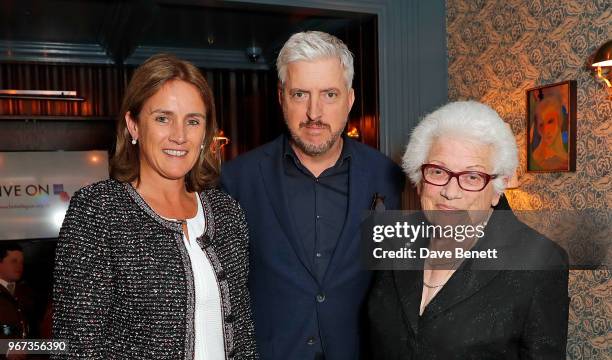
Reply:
x=279, y=89
x=351, y=95
x=132, y=125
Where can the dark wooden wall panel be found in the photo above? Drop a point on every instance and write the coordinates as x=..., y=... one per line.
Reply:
x=101, y=85
x=246, y=101
x=46, y=135
x=247, y=108
x=362, y=41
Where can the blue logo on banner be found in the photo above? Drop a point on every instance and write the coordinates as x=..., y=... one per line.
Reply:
x=58, y=189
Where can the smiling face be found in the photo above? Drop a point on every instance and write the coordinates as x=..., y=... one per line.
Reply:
x=316, y=103
x=170, y=130
x=458, y=155
x=11, y=267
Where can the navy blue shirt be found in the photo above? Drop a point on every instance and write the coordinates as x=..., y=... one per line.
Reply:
x=318, y=204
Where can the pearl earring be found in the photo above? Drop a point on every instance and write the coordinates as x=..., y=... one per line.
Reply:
x=134, y=141
x=202, y=146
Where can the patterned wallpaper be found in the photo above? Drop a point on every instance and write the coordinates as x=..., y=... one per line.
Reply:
x=499, y=48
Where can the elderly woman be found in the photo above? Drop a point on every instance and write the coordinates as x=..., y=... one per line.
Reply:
x=460, y=157
x=153, y=263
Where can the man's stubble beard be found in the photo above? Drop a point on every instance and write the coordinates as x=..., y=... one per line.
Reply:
x=311, y=149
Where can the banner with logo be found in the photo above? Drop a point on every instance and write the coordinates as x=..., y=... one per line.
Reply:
x=36, y=187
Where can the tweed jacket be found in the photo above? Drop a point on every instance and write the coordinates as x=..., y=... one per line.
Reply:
x=123, y=284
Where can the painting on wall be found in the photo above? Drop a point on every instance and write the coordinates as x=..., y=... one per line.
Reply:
x=551, y=127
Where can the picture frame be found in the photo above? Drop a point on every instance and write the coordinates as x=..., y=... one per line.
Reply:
x=551, y=127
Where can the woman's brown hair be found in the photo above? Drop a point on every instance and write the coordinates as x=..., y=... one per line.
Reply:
x=146, y=81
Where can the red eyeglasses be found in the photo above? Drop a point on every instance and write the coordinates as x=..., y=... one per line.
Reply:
x=468, y=180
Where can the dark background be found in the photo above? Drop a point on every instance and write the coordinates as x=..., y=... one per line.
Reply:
x=94, y=46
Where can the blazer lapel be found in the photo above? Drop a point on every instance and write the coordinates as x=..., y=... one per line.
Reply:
x=463, y=284
x=409, y=286
x=271, y=169
x=5, y=293
x=466, y=281
x=358, y=201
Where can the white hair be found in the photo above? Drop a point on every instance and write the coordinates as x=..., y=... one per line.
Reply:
x=314, y=45
x=468, y=120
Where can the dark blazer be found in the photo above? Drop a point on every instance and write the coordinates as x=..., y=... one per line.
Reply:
x=292, y=310
x=15, y=312
x=478, y=314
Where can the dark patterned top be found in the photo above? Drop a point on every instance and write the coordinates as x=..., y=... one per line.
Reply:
x=123, y=282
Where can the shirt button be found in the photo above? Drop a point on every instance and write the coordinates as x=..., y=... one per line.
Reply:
x=321, y=297
x=311, y=340
x=319, y=254
x=318, y=216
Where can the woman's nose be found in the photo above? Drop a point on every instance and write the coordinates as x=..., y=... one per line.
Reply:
x=452, y=190
x=178, y=133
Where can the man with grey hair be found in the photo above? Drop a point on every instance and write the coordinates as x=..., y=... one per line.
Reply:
x=304, y=194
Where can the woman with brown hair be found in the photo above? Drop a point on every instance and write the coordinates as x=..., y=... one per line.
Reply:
x=153, y=262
